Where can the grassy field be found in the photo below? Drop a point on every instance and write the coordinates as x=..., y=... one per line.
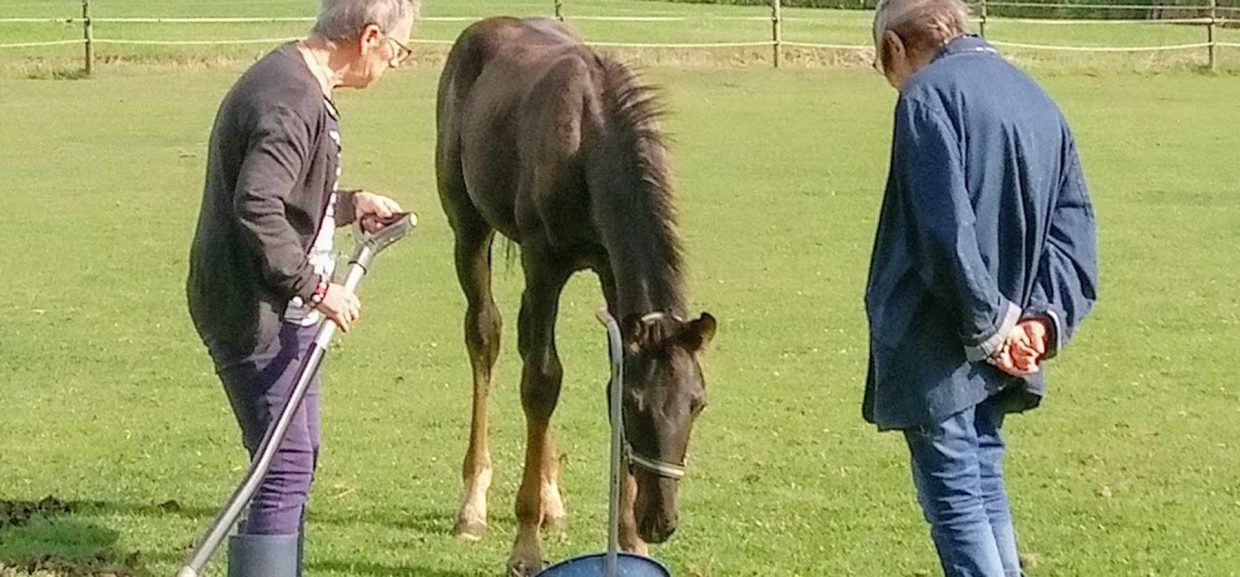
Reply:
x=700, y=24
x=108, y=402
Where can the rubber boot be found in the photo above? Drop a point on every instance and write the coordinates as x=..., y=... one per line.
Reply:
x=263, y=556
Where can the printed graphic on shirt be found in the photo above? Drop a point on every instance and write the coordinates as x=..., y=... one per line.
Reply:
x=322, y=257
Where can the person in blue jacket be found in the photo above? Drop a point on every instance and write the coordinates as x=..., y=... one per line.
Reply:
x=984, y=265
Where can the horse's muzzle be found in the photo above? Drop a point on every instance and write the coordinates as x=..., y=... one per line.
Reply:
x=656, y=509
x=656, y=528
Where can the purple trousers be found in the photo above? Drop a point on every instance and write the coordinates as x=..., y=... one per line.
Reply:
x=257, y=388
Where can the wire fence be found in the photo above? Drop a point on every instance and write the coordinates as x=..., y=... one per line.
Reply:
x=1215, y=18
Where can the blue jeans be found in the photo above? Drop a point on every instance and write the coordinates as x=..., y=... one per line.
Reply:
x=958, y=471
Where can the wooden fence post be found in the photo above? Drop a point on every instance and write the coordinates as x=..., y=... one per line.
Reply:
x=777, y=32
x=559, y=10
x=1212, y=35
x=985, y=15
x=88, y=34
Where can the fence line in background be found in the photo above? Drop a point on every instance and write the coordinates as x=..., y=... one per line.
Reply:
x=1095, y=22
x=231, y=42
x=776, y=18
x=1168, y=47
x=754, y=44
x=1007, y=4
x=276, y=20
x=1210, y=23
x=857, y=47
x=690, y=45
x=47, y=43
x=195, y=42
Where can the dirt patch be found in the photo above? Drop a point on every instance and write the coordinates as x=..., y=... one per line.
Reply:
x=18, y=513
x=102, y=564
x=14, y=515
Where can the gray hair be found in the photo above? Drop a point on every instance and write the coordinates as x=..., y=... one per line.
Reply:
x=345, y=19
x=921, y=22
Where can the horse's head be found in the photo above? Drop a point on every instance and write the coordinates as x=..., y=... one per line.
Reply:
x=664, y=392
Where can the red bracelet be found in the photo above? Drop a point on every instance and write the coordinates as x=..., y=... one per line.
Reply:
x=320, y=291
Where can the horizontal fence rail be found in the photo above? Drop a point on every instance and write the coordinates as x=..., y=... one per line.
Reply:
x=1166, y=47
x=1129, y=7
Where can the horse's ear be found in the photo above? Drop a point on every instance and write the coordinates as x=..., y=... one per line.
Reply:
x=633, y=332
x=698, y=333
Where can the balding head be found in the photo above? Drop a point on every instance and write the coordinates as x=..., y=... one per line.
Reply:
x=922, y=27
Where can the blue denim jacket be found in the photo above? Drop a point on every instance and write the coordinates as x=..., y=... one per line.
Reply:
x=986, y=219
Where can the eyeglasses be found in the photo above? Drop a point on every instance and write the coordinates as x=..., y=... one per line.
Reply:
x=402, y=52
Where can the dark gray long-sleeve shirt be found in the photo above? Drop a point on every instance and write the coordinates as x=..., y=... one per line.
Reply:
x=271, y=169
x=986, y=219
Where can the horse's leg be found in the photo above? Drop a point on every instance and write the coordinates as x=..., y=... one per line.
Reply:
x=629, y=540
x=607, y=283
x=540, y=391
x=482, y=325
x=555, y=517
x=482, y=337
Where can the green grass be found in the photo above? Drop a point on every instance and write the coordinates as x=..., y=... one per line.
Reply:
x=108, y=399
x=701, y=25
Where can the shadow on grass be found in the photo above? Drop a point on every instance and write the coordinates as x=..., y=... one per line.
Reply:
x=57, y=73
x=382, y=570
x=44, y=536
x=52, y=536
x=424, y=522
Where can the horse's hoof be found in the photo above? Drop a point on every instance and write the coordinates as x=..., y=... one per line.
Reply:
x=471, y=531
x=525, y=569
x=639, y=548
x=555, y=526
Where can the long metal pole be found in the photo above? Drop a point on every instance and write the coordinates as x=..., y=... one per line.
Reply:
x=261, y=464
x=615, y=349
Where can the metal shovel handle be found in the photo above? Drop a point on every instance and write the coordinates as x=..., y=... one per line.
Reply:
x=369, y=246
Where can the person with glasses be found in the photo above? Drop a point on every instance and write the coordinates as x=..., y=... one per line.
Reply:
x=984, y=266
x=261, y=262
x=400, y=53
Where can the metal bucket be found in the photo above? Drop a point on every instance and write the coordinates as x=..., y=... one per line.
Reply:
x=627, y=564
